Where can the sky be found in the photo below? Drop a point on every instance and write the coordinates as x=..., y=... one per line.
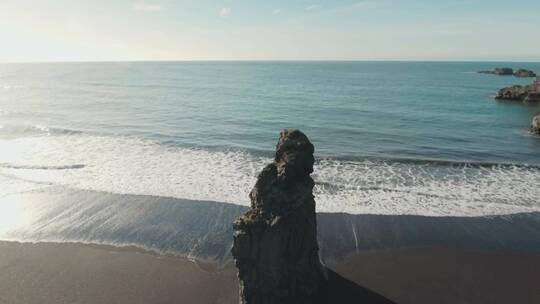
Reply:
x=126, y=30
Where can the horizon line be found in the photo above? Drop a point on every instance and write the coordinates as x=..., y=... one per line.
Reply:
x=270, y=60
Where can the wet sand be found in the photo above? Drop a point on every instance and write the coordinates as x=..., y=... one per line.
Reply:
x=203, y=229
x=78, y=273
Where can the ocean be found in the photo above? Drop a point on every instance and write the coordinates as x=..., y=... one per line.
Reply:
x=391, y=139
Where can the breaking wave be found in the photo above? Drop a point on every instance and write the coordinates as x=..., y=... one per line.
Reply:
x=16, y=131
x=128, y=165
x=64, y=167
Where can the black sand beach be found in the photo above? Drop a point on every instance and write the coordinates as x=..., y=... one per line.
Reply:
x=78, y=273
x=203, y=230
x=405, y=258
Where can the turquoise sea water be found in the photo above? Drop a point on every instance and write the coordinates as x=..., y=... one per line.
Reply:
x=391, y=137
x=389, y=110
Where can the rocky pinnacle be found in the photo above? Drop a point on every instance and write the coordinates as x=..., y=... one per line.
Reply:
x=275, y=242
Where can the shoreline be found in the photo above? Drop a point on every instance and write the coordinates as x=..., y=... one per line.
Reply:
x=203, y=230
x=203, y=264
x=90, y=273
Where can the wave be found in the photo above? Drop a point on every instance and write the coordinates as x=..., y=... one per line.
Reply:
x=203, y=230
x=17, y=131
x=139, y=86
x=127, y=165
x=436, y=162
x=54, y=131
x=37, y=130
x=62, y=167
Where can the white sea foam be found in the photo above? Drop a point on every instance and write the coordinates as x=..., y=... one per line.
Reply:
x=133, y=166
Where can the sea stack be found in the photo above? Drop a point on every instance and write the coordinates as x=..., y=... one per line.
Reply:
x=275, y=242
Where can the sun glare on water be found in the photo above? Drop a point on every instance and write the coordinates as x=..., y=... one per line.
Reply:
x=11, y=215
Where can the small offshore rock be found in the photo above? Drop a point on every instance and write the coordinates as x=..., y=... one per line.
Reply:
x=509, y=71
x=499, y=71
x=486, y=72
x=524, y=73
x=528, y=93
x=517, y=92
x=504, y=71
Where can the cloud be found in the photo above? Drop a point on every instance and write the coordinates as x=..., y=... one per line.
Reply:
x=225, y=12
x=145, y=7
x=313, y=7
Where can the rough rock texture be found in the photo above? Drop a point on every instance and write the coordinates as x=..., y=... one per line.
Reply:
x=499, y=71
x=504, y=71
x=275, y=242
x=532, y=97
x=524, y=73
x=535, y=125
x=510, y=71
x=516, y=92
x=535, y=86
x=528, y=93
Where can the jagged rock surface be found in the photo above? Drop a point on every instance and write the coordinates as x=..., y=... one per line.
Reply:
x=499, y=71
x=535, y=125
x=504, y=71
x=517, y=92
x=524, y=73
x=532, y=97
x=275, y=242
x=510, y=71
x=528, y=93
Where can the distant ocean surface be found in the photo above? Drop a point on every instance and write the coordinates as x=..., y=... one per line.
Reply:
x=418, y=138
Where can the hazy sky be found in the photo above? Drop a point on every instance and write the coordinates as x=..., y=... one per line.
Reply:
x=67, y=30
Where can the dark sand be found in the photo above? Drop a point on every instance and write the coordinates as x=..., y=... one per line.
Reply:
x=440, y=275
x=76, y=273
